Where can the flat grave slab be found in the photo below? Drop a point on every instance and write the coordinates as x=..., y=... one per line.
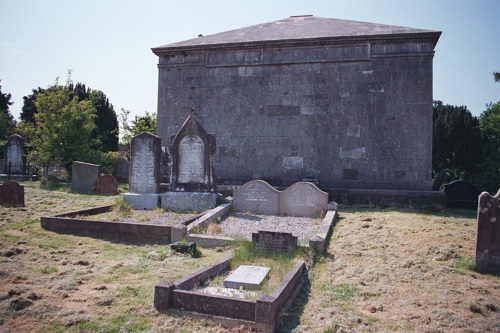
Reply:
x=248, y=277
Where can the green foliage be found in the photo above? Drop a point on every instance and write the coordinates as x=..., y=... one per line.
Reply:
x=496, y=76
x=129, y=129
x=64, y=129
x=462, y=265
x=7, y=122
x=29, y=109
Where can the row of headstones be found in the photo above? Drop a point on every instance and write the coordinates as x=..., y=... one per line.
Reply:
x=85, y=178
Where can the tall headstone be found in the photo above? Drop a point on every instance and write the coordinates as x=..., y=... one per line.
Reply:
x=192, y=184
x=488, y=233
x=11, y=194
x=84, y=176
x=144, y=182
x=15, y=156
x=121, y=170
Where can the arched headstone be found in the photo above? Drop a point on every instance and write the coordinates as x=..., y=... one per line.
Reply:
x=14, y=156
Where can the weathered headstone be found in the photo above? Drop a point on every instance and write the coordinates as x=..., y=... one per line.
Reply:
x=11, y=194
x=107, y=184
x=14, y=156
x=144, y=182
x=191, y=180
x=488, y=234
x=272, y=242
x=191, y=151
x=84, y=176
x=461, y=194
x=246, y=277
x=303, y=199
x=121, y=170
x=258, y=197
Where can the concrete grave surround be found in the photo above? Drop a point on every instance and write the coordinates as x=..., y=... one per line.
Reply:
x=300, y=199
x=84, y=176
x=348, y=103
x=488, y=234
x=11, y=194
x=191, y=151
x=107, y=184
x=246, y=277
x=144, y=181
x=303, y=199
x=14, y=156
x=121, y=170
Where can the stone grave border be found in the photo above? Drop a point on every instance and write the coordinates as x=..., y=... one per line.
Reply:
x=229, y=311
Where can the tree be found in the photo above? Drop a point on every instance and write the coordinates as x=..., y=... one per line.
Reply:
x=7, y=122
x=456, y=138
x=64, y=129
x=146, y=123
x=29, y=110
x=496, y=76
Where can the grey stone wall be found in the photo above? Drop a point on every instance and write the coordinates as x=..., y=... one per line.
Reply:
x=352, y=115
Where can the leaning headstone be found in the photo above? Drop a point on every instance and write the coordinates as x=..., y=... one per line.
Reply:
x=461, y=194
x=107, y=184
x=11, y=194
x=272, y=242
x=121, y=170
x=192, y=184
x=488, y=234
x=144, y=182
x=84, y=176
x=257, y=196
x=303, y=199
x=15, y=156
x=246, y=277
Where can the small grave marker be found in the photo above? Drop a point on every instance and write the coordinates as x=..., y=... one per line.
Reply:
x=247, y=277
x=107, y=184
x=11, y=194
x=272, y=241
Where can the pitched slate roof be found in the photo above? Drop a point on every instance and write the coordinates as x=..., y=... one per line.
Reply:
x=298, y=29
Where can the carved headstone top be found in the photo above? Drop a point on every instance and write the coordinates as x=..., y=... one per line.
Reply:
x=258, y=197
x=303, y=199
x=191, y=152
x=11, y=194
x=145, y=151
x=14, y=156
x=488, y=233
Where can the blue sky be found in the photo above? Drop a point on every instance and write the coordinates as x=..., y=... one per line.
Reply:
x=107, y=43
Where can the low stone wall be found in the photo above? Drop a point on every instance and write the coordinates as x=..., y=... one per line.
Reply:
x=324, y=229
x=261, y=313
x=390, y=198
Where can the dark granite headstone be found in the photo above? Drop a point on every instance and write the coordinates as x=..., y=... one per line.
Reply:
x=107, y=184
x=11, y=194
x=191, y=151
x=303, y=199
x=461, y=194
x=84, y=176
x=145, y=151
x=488, y=234
x=121, y=170
x=14, y=156
x=258, y=197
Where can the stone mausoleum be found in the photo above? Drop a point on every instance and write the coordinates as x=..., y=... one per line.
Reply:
x=346, y=103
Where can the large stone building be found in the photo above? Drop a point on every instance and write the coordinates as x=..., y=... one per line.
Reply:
x=347, y=103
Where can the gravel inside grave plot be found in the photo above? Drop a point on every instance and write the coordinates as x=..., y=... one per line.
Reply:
x=154, y=217
x=242, y=225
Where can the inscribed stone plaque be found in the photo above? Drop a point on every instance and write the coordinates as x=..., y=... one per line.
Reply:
x=11, y=194
x=14, y=155
x=272, y=242
x=107, y=184
x=257, y=197
x=191, y=160
x=191, y=152
x=303, y=199
x=121, y=169
x=145, y=151
x=84, y=176
x=488, y=234
x=248, y=277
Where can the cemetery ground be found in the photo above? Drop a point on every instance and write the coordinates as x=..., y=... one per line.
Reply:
x=385, y=270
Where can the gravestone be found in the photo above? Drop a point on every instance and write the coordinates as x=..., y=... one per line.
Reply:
x=84, y=176
x=303, y=199
x=11, y=194
x=15, y=156
x=258, y=197
x=488, y=234
x=144, y=182
x=107, y=184
x=272, y=242
x=121, y=170
x=461, y=194
x=246, y=277
x=191, y=180
x=191, y=151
